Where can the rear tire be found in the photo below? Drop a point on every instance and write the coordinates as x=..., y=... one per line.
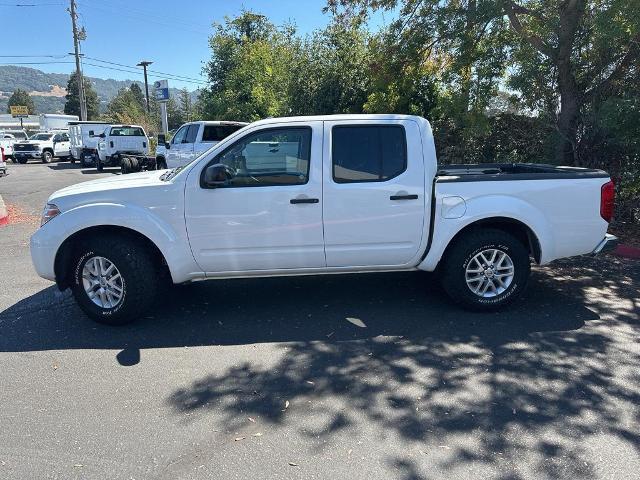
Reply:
x=125, y=165
x=482, y=285
x=47, y=157
x=138, y=278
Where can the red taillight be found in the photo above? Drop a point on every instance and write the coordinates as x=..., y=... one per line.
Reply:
x=607, y=197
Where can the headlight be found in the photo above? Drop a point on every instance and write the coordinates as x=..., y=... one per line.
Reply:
x=50, y=211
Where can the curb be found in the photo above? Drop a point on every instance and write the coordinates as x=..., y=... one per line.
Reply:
x=627, y=251
x=4, y=216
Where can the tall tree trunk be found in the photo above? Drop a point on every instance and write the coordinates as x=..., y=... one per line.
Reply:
x=568, y=117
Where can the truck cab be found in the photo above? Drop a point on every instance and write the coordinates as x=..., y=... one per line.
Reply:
x=118, y=141
x=192, y=139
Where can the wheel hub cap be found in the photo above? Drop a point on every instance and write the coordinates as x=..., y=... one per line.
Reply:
x=489, y=273
x=102, y=282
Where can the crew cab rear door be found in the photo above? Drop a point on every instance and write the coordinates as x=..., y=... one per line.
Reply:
x=268, y=214
x=374, y=192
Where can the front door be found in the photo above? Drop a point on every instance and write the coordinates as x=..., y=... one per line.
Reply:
x=374, y=186
x=174, y=153
x=269, y=214
x=61, y=145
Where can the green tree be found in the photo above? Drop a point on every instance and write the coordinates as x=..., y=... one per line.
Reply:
x=21, y=98
x=138, y=96
x=72, y=105
x=186, y=105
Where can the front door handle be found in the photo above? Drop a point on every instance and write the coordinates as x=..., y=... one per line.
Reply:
x=304, y=200
x=403, y=197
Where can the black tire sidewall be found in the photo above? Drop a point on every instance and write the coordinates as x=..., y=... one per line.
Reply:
x=455, y=280
x=103, y=315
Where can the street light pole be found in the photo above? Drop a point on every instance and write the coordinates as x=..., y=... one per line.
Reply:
x=144, y=64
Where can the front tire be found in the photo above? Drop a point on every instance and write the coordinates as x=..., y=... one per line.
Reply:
x=114, y=279
x=485, y=269
x=99, y=165
x=47, y=157
x=22, y=161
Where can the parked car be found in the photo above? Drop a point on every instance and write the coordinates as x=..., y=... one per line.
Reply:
x=330, y=194
x=84, y=138
x=43, y=146
x=126, y=146
x=192, y=140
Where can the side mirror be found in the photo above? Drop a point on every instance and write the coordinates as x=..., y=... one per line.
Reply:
x=91, y=133
x=218, y=175
x=167, y=145
x=102, y=135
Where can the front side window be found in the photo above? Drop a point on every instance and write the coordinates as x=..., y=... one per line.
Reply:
x=270, y=157
x=368, y=153
x=192, y=133
x=180, y=135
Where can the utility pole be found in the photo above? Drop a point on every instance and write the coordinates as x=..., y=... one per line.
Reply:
x=76, y=49
x=144, y=64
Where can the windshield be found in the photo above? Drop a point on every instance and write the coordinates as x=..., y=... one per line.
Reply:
x=42, y=136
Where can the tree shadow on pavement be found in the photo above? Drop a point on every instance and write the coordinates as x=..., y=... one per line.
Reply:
x=388, y=350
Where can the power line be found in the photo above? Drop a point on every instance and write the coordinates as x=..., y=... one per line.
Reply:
x=31, y=63
x=138, y=72
x=177, y=77
x=33, y=56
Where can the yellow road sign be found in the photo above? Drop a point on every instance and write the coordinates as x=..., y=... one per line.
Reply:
x=19, y=111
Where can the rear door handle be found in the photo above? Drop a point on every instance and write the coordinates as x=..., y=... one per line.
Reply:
x=403, y=197
x=304, y=200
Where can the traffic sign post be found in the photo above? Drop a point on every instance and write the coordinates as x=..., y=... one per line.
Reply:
x=161, y=89
x=19, y=111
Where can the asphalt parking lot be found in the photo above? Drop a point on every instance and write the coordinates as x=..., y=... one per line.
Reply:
x=363, y=377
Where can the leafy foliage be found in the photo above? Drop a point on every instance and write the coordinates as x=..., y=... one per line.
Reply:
x=72, y=105
x=21, y=98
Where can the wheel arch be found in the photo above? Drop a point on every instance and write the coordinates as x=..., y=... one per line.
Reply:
x=62, y=262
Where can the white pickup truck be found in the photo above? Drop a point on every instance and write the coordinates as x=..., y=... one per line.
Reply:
x=43, y=146
x=191, y=140
x=311, y=195
x=119, y=145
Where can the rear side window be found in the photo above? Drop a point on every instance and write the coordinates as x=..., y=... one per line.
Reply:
x=368, y=153
x=216, y=133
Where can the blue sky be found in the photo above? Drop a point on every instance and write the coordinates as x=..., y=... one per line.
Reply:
x=173, y=34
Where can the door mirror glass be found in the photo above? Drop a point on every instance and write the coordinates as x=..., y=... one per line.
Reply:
x=91, y=133
x=218, y=175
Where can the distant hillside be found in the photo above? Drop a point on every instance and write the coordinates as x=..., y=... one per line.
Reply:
x=48, y=89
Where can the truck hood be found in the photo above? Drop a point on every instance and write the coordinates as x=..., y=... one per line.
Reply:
x=116, y=189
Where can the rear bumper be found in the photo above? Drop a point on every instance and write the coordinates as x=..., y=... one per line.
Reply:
x=608, y=243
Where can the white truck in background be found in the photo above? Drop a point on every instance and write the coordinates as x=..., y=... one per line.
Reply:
x=43, y=146
x=8, y=138
x=84, y=138
x=192, y=140
x=126, y=146
x=318, y=195
x=54, y=121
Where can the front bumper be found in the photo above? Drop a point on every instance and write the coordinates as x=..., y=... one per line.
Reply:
x=43, y=255
x=608, y=243
x=28, y=154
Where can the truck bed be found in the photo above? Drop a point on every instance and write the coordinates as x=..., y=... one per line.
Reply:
x=484, y=172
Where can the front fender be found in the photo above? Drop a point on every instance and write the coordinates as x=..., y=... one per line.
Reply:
x=484, y=208
x=170, y=238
